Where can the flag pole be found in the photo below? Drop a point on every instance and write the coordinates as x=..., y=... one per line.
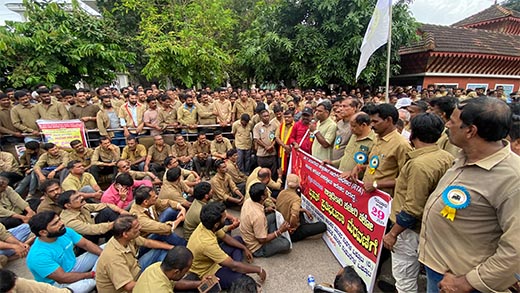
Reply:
x=389, y=48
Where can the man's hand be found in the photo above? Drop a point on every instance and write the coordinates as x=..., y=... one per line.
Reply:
x=51, y=174
x=126, y=133
x=249, y=255
x=284, y=227
x=451, y=283
x=41, y=178
x=328, y=162
x=389, y=241
x=262, y=274
x=21, y=250
x=369, y=187
x=287, y=148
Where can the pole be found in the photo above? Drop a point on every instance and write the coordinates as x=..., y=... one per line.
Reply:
x=389, y=47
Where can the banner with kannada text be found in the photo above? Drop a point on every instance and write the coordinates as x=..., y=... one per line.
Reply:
x=356, y=221
x=62, y=132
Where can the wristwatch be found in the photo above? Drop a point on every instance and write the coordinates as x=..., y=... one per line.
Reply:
x=315, y=131
x=374, y=184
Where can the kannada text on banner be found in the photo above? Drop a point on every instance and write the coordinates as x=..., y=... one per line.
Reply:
x=62, y=132
x=356, y=221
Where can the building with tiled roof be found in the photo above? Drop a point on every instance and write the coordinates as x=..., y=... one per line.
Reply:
x=483, y=50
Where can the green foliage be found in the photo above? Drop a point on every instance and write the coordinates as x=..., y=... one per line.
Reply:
x=60, y=44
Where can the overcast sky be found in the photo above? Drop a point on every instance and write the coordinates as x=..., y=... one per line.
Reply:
x=443, y=12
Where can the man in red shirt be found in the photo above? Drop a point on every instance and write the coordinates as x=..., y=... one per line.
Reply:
x=300, y=131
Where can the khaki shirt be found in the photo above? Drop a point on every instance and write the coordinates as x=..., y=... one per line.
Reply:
x=181, y=151
x=102, y=155
x=117, y=265
x=53, y=111
x=173, y=191
x=72, y=182
x=11, y=203
x=85, y=159
x=275, y=185
x=83, y=222
x=8, y=163
x=417, y=179
x=223, y=186
x=24, y=118
x=343, y=134
x=391, y=151
x=445, y=144
x=6, y=123
x=4, y=234
x=327, y=129
x=46, y=160
x=207, y=254
x=288, y=203
x=200, y=148
x=187, y=116
x=48, y=205
x=224, y=110
x=138, y=153
x=235, y=173
x=205, y=114
x=266, y=134
x=243, y=135
x=220, y=148
x=125, y=113
x=253, y=224
x=78, y=112
x=192, y=219
x=154, y=280
x=482, y=242
x=240, y=108
x=103, y=122
x=166, y=117
x=150, y=221
x=355, y=145
x=157, y=155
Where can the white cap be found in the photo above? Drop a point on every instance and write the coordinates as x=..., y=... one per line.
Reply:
x=403, y=102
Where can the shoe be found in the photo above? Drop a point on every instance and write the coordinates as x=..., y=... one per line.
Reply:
x=386, y=286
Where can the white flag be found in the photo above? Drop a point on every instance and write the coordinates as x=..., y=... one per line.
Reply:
x=377, y=33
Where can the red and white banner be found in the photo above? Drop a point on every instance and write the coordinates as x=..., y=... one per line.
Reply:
x=62, y=132
x=356, y=221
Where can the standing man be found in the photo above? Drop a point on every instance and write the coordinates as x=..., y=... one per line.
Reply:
x=300, y=137
x=87, y=113
x=283, y=133
x=206, y=110
x=223, y=107
x=167, y=116
x=24, y=116
x=187, y=115
x=475, y=206
x=348, y=107
x=323, y=133
x=150, y=116
x=6, y=123
x=424, y=167
x=244, y=105
x=107, y=119
x=131, y=115
x=264, y=134
x=242, y=130
x=48, y=109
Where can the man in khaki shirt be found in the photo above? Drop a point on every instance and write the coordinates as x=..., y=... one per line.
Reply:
x=81, y=181
x=224, y=188
x=80, y=153
x=201, y=152
x=85, y=112
x=187, y=115
x=167, y=115
x=48, y=109
x=157, y=226
x=223, y=108
x=444, y=107
x=104, y=158
x=10, y=168
x=157, y=153
x=14, y=211
x=118, y=267
x=417, y=179
x=14, y=242
x=50, y=188
x=6, y=123
x=50, y=164
x=242, y=130
x=220, y=146
x=206, y=111
x=264, y=134
x=238, y=176
x=24, y=115
x=182, y=151
x=475, y=247
x=244, y=105
x=323, y=133
x=174, y=187
x=77, y=214
x=259, y=231
x=135, y=153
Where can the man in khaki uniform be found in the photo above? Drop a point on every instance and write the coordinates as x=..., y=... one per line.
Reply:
x=104, y=158
x=48, y=109
x=244, y=105
x=417, y=179
x=135, y=153
x=201, y=152
x=50, y=188
x=85, y=112
x=81, y=181
x=13, y=242
x=131, y=116
x=174, y=187
x=80, y=153
x=264, y=134
x=24, y=115
x=323, y=133
x=10, y=168
x=206, y=111
x=51, y=163
x=157, y=153
x=220, y=146
x=6, y=123
x=232, y=168
x=242, y=130
x=182, y=151
x=118, y=268
x=223, y=108
x=224, y=188
x=187, y=115
x=77, y=214
x=167, y=115
x=107, y=119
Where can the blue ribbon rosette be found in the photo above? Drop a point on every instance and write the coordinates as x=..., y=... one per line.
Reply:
x=455, y=198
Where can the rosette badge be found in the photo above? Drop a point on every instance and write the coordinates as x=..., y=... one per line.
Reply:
x=455, y=198
x=360, y=158
x=373, y=164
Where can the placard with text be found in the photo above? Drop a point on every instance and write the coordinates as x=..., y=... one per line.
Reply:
x=62, y=132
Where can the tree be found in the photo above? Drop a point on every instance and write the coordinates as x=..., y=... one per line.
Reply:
x=60, y=43
x=185, y=41
x=316, y=42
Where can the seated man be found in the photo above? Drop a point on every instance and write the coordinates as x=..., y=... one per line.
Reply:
x=14, y=211
x=81, y=181
x=173, y=188
x=157, y=153
x=289, y=204
x=51, y=189
x=161, y=227
x=219, y=146
x=258, y=231
x=209, y=258
x=201, y=152
x=119, y=264
x=135, y=153
x=10, y=282
x=238, y=176
x=104, y=158
x=161, y=276
x=77, y=215
x=223, y=186
x=182, y=151
x=190, y=177
x=9, y=168
x=202, y=194
x=51, y=258
x=123, y=166
x=27, y=161
x=260, y=174
x=13, y=242
x=50, y=163
x=80, y=153
x=121, y=192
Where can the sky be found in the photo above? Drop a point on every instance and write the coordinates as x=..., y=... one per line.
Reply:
x=444, y=12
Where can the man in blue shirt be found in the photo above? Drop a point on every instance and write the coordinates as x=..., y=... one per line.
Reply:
x=51, y=259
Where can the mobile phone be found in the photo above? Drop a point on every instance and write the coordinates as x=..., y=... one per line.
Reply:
x=209, y=286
